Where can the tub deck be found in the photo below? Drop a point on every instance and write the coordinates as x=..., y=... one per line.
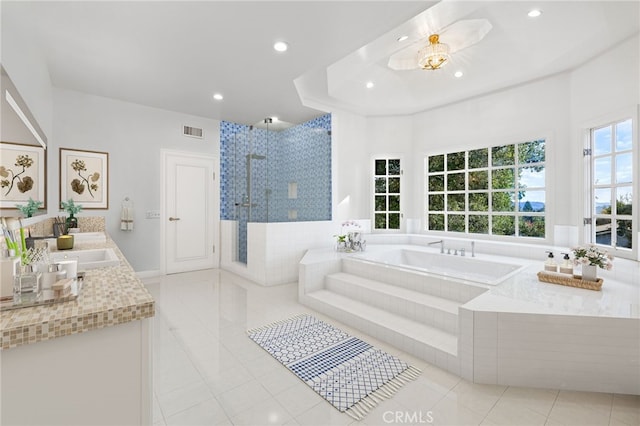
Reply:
x=520, y=332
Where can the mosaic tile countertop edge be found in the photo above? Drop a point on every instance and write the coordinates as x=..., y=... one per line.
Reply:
x=109, y=296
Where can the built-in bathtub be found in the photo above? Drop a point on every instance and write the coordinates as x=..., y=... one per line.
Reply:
x=448, y=265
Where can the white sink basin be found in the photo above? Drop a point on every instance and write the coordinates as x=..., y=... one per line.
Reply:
x=97, y=237
x=89, y=259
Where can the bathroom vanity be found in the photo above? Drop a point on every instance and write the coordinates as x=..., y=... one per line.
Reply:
x=85, y=361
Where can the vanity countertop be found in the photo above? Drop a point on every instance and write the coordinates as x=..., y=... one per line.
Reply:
x=109, y=296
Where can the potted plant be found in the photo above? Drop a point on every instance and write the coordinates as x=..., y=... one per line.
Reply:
x=30, y=208
x=592, y=257
x=73, y=209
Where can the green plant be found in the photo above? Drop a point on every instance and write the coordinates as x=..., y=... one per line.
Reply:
x=71, y=207
x=30, y=208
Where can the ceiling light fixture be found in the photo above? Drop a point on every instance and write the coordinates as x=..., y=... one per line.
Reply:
x=369, y=84
x=458, y=74
x=433, y=56
x=280, y=46
x=534, y=13
x=218, y=96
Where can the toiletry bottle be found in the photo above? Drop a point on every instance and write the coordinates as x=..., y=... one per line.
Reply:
x=567, y=266
x=53, y=275
x=550, y=265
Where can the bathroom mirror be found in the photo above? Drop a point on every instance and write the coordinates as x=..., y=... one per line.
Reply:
x=22, y=136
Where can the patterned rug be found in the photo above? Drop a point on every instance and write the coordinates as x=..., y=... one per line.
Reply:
x=349, y=373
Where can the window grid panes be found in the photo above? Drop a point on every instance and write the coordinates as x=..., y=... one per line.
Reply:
x=612, y=185
x=386, y=197
x=495, y=191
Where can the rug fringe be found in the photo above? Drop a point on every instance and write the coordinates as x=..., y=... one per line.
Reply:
x=359, y=410
x=275, y=324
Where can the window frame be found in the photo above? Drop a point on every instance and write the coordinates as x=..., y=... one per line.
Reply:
x=401, y=194
x=589, y=225
x=489, y=169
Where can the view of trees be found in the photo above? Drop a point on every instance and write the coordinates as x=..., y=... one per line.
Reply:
x=485, y=190
x=387, y=194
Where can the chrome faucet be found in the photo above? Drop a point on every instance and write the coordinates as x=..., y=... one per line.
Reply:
x=441, y=242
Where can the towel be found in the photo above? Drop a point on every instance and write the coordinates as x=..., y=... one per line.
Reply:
x=126, y=218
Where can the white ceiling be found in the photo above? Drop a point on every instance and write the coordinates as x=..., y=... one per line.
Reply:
x=175, y=55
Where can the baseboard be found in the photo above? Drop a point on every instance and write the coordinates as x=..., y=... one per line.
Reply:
x=148, y=274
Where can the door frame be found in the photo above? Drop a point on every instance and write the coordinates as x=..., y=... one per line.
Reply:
x=215, y=194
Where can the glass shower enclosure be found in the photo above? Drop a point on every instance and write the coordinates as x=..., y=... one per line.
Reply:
x=274, y=174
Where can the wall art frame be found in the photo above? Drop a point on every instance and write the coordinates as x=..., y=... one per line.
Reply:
x=23, y=175
x=84, y=177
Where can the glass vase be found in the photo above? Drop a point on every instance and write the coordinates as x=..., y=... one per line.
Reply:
x=72, y=221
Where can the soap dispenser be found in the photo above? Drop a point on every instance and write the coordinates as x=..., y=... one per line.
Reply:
x=567, y=266
x=550, y=265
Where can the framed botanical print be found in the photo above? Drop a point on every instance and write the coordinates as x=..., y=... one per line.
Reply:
x=84, y=177
x=23, y=174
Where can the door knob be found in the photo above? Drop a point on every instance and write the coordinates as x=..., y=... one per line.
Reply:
x=174, y=218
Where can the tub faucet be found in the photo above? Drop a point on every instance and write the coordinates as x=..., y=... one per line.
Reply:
x=441, y=242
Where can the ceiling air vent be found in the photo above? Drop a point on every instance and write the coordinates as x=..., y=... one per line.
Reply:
x=192, y=132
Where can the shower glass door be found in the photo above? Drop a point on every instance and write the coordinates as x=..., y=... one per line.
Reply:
x=250, y=182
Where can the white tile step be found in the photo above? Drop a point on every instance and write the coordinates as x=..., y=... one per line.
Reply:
x=433, y=302
x=421, y=333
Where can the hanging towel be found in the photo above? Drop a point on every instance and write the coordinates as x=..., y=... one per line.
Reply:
x=126, y=216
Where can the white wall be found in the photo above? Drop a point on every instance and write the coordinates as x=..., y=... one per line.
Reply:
x=350, y=171
x=602, y=90
x=133, y=135
x=27, y=67
x=535, y=110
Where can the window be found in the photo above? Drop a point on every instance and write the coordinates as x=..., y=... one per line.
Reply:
x=493, y=191
x=612, y=185
x=386, y=198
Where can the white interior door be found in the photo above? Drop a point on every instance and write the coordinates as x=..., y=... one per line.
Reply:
x=190, y=212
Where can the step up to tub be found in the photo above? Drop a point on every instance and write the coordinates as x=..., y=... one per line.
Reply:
x=421, y=307
x=428, y=343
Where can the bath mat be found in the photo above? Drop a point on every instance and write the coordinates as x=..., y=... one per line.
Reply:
x=349, y=373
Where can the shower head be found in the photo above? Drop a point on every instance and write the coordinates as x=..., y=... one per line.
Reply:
x=256, y=157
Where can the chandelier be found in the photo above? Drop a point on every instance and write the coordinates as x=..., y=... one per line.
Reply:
x=434, y=55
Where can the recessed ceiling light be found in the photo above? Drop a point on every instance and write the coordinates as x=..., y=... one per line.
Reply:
x=280, y=46
x=218, y=96
x=403, y=38
x=369, y=84
x=534, y=13
x=458, y=74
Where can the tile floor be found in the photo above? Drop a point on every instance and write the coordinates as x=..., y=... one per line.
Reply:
x=208, y=372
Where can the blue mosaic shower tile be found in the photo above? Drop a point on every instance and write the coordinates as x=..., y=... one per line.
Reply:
x=300, y=154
